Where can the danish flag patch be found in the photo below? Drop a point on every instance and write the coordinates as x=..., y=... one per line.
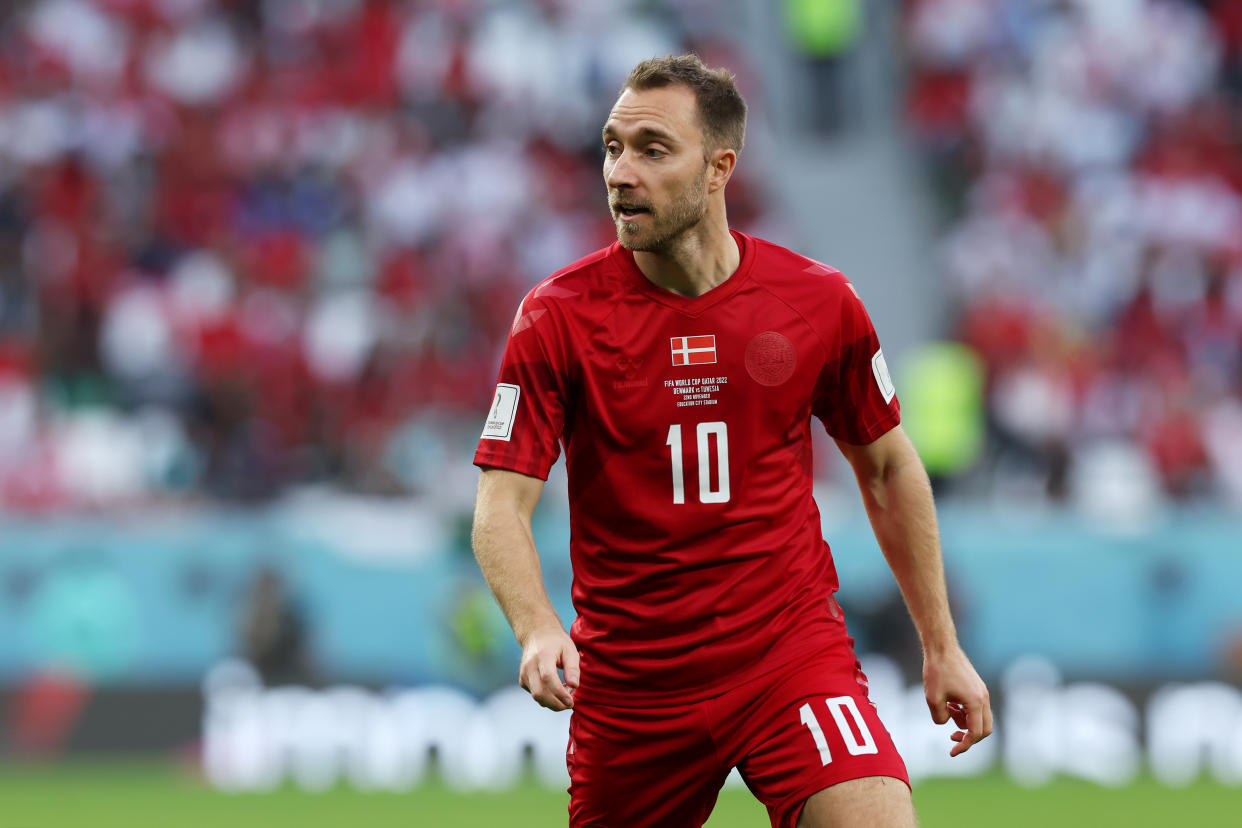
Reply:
x=693, y=350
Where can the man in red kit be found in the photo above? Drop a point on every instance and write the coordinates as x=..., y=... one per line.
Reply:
x=680, y=368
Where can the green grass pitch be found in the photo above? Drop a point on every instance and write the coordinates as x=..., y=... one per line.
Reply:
x=137, y=794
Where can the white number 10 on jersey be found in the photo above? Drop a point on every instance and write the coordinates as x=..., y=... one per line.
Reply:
x=719, y=493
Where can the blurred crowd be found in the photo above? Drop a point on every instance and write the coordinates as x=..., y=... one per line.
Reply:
x=1089, y=157
x=247, y=245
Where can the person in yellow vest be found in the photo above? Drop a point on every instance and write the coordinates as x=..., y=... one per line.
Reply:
x=943, y=404
x=822, y=34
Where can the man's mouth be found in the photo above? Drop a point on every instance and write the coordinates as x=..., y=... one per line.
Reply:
x=629, y=212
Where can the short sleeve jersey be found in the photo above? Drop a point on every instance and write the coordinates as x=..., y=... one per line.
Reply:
x=697, y=550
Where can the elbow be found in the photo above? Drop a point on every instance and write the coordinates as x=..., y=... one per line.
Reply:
x=889, y=481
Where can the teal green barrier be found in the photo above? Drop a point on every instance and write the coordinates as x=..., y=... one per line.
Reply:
x=159, y=602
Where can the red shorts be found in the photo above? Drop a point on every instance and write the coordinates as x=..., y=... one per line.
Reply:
x=790, y=732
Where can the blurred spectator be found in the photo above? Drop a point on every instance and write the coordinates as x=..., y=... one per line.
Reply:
x=44, y=712
x=943, y=409
x=1087, y=155
x=273, y=631
x=823, y=34
x=1231, y=655
x=248, y=246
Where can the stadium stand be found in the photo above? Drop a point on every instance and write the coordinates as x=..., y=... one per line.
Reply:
x=248, y=246
x=1086, y=155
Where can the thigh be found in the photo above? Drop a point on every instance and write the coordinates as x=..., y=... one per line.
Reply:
x=870, y=802
x=630, y=768
x=814, y=728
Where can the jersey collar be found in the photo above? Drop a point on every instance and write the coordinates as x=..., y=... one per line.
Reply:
x=690, y=305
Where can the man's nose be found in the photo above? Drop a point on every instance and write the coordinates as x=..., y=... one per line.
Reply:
x=621, y=174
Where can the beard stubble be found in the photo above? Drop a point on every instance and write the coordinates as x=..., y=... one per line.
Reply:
x=685, y=210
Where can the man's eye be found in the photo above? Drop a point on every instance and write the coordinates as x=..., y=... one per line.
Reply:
x=655, y=153
x=612, y=150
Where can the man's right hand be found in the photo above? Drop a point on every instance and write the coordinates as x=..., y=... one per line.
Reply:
x=543, y=651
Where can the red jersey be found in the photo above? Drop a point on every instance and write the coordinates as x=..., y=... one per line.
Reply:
x=698, y=556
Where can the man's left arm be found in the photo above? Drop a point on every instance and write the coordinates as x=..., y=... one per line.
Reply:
x=898, y=498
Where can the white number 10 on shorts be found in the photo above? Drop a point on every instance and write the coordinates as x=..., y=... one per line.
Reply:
x=857, y=744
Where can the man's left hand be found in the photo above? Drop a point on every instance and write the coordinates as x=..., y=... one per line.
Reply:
x=955, y=691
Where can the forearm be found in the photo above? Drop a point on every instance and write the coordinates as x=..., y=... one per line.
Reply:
x=899, y=502
x=903, y=514
x=505, y=550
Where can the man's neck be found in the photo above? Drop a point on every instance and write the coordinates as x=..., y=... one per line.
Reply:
x=701, y=259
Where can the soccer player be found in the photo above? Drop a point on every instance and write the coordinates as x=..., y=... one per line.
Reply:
x=681, y=368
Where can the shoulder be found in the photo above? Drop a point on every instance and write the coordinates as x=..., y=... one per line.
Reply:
x=812, y=288
x=582, y=287
x=584, y=279
x=575, y=278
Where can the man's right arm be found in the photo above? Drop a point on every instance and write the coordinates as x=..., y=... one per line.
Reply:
x=505, y=550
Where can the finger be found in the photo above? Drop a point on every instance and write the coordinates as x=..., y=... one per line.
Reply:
x=540, y=692
x=532, y=683
x=529, y=680
x=972, y=735
x=987, y=718
x=551, y=702
x=939, y=712
x=570, y=663
x=963, y=743
x=958, y=713
x=974, y=718
x=552, y=685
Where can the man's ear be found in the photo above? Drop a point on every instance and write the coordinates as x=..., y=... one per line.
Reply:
x=720, y=168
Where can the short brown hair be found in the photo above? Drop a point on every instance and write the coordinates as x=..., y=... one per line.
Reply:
x=722, y=111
